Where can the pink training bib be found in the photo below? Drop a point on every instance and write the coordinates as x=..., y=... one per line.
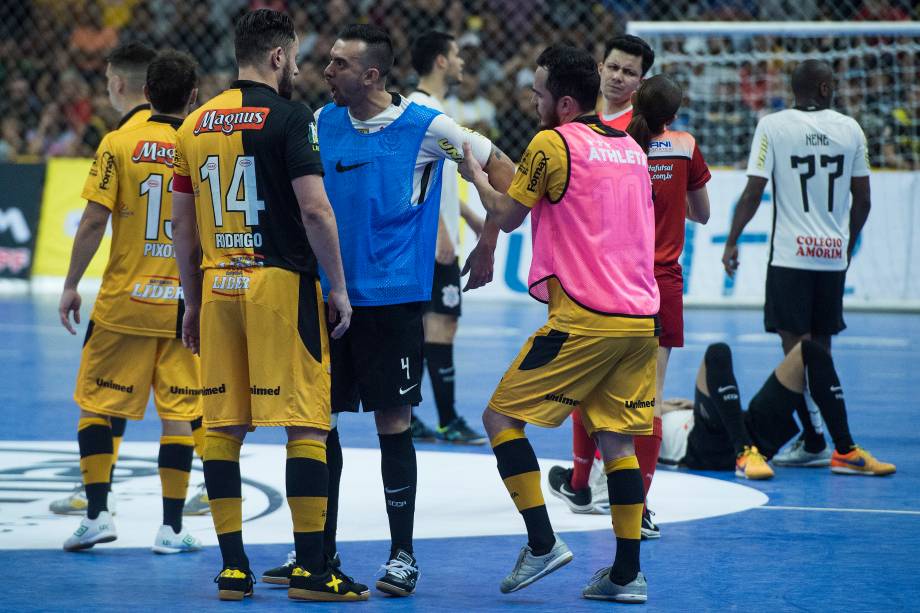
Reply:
x=598, y=240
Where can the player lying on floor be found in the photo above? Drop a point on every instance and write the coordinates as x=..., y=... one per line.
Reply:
x=714, y=433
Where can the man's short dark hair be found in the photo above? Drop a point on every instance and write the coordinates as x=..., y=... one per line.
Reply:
x=133, y=56
x=632, y=45
x=427, y=48
x=379, y=53
x=571, y=72
x=260, y=31
x=171, y=77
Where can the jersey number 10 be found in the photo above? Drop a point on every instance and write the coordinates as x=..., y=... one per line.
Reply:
x=808, y=161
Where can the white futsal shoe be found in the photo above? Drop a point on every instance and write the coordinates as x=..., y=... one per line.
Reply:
x=798, y=457
x=529, y=567
x=168, y=541
x=92, y=532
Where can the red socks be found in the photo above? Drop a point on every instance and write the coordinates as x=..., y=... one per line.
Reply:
x=583, y=451
x=647, y=449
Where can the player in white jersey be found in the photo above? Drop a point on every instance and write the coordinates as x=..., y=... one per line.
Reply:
x=436, y=58
x=817, y=159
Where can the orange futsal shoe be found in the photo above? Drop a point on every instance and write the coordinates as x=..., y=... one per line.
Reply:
x=859, y=462
x=751, y=465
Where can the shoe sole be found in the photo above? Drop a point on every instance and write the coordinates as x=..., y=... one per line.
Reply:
x=650, y=535
x=808, y=464
x=75, y=512
x=232, y=594
x=171, y=550
x=556, y=565
x=742, y=475
x=298, y=594
x=587, y=509
x=624, y=598
x=275, y=580
x=843, y=470
x=83, y=546
x=392, y=590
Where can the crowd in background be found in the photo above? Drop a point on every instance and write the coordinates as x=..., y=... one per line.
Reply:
x=53, y=99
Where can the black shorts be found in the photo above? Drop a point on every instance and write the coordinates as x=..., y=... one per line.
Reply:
x=378, y=361
x=445, y=291
x=804, y=301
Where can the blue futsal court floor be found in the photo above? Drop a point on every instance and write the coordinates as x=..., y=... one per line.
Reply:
x=809, y=541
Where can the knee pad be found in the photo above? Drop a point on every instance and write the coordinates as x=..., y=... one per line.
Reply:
x=718, y=356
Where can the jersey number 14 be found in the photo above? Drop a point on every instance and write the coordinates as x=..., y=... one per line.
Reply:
x=241, y=197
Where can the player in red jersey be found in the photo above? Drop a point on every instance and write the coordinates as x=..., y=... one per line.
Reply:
x=679, y=175
x=627, y=59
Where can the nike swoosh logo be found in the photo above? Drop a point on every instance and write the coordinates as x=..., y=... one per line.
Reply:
x=860, y=464
x=339, y=167
x=722, y=390
x=406, y=391
x=836, y=388
x=445, y=371
x=387, y=490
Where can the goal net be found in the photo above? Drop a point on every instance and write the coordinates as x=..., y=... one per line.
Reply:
x=733, y=73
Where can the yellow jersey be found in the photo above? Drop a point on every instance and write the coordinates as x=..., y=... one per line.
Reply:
x=131, y=176
x=135, y=117
x=544, y=172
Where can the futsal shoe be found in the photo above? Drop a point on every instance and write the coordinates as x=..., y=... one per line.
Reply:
x=797, y=457
x=530, y=568
x=92, y=532
x=400, y=574
x=602, y=588
x=331, y=586
x=460, y=433
x=197, y=504
x=750, y=464
x=560, y=485
x=281, y=575
x=859, y=462
x=597, y=481
x=650, y=529
x=76, y=503
x=234, y=583
x=168, y=541
x=421, y=432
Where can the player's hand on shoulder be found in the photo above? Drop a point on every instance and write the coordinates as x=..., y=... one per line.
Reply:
x=730, y=259
x=339, y=312
x=70, y=303
x=191, y=329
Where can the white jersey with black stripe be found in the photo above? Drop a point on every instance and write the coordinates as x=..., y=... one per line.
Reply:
x=811, y=156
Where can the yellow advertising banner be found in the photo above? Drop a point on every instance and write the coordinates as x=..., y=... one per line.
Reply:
x=62, y=208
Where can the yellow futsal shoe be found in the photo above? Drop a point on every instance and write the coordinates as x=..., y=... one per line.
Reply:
x=331, y=586
x=751, y=465
x=234, y=584
x=859, y=462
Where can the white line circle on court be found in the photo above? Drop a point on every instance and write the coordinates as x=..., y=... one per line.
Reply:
x=460, y=494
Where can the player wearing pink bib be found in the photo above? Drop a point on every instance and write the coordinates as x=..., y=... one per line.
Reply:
x=593, y=264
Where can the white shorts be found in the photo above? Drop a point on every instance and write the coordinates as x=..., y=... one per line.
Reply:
x=675, y=428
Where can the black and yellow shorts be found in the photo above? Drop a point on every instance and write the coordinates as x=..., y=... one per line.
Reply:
x=264, y=349
x=117, y=372
x=610, y=380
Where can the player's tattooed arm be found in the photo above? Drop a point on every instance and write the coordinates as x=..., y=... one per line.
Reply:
x=503, y=210
x=500, y=169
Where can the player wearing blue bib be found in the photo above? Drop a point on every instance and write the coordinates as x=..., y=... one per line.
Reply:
x=382, y=157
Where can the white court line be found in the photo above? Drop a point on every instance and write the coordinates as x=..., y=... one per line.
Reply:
x=776, y=507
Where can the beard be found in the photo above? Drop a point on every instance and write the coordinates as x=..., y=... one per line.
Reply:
x=551, y=120
x=286, y=82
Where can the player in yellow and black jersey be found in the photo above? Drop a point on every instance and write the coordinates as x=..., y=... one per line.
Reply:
x=126, y=75
x=131, y=343
x=252, y=221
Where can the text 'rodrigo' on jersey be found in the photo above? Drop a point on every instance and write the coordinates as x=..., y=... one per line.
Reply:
x=811, y=155
x=132, y=177
x=240, y=151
